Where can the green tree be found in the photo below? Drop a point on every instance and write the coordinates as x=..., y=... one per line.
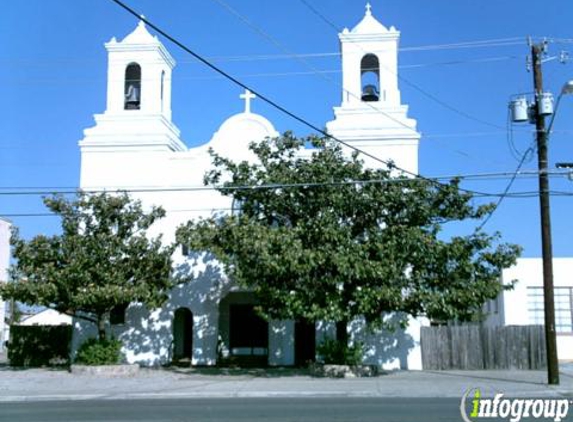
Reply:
x=15, y=312
x=103, y=258
x=324, y=238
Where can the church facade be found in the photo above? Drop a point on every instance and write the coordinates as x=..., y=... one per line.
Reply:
x=135, y=146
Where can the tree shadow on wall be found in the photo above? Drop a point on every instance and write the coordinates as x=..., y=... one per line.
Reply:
x=147, y=334
x=383, y=347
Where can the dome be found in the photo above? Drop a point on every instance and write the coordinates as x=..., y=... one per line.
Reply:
x=237, y=132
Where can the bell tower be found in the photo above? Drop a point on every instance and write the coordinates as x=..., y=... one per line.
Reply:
x=371, y=116
x=138, y=111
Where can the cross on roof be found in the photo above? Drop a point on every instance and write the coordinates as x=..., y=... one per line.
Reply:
x=247, y=96
x=368, y=8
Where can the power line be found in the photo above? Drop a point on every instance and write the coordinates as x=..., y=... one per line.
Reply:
x=419, y=89
x=516, y=195
x=467, y=44
x=262, y=57
x=22, y=144
x=509, y=137
x=457, y=62
x=283, y=48
x=560, y=40
x=468, y=134
x=322, y=74
x=508, y=187
x=315, y=71
x=320, y=15
x=51, y=214
x=245, y=20
x=273, y=103
x=408, y=82
x=431, y=96
x=244, y=86
x=500, y=42
x=70, y=190
x=478, y=176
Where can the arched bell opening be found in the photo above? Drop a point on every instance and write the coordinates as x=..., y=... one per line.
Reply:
x=132, y=90
x=370, y=78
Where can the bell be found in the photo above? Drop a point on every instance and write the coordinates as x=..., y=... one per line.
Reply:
x=132, y=98
x=369, y=93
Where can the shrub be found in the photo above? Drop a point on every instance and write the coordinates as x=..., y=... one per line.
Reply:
x=39, y=345
x=337, y=353
x=99, y=352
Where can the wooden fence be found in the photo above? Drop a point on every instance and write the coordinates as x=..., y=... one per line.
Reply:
x=475, y=347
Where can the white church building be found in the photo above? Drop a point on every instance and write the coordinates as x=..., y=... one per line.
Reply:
x=136, y=146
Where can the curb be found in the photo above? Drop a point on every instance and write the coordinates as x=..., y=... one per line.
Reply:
x=250, y=394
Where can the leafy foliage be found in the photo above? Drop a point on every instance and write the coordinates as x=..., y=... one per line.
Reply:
x=39, y=345
x=103, y=258
x=15, y=312
x=323, y=238
x=99, y=352
x=335, y=352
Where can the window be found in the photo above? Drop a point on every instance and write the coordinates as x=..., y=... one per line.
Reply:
x=117, y=314
x=563, y=307
x=132, y=90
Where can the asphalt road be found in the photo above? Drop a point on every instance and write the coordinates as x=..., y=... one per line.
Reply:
x=314, y=409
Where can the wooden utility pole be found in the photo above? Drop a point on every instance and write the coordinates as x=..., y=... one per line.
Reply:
x=546, y=245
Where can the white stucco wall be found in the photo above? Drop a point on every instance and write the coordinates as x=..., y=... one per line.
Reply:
x=281, y=343
x=387, y=349
x=147, y=335
x=529, y=273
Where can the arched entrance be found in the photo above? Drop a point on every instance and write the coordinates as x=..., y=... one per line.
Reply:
x=182, y=336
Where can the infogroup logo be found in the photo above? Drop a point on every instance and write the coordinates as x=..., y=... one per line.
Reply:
x=512, y=409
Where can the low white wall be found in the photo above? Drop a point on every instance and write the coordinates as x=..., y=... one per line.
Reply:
x=398, y=349
x=388, y=350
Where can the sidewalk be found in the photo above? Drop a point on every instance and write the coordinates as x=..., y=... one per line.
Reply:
x=46, y=384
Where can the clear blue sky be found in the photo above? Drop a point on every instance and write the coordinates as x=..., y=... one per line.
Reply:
x=53, y=72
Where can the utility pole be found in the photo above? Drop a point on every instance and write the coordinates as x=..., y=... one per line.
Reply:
x=546, y=245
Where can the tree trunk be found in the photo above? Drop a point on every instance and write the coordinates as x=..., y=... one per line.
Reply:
x=342, y=332
x=101, y=327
